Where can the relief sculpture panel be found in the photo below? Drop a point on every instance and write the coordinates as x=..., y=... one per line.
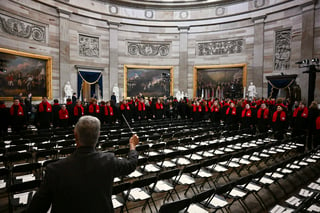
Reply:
x=220, y=47
x=148, y=49
x=88, y=46
x=282, y=50
x=22, y=29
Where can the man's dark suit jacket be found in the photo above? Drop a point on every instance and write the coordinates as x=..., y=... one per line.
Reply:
x=82, y=182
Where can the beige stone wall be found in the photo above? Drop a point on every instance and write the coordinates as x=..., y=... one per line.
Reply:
x=116, y=26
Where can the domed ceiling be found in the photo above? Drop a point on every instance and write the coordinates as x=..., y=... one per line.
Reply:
x=170, y=3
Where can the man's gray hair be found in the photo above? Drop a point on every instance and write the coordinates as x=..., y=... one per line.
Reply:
x=88, y=130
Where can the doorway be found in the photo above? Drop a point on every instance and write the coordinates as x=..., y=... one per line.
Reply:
x=90, y=85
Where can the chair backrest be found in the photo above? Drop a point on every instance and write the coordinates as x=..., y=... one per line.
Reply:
x=143, y=182
x=20, y=142
x=197, y=198
x=18, y=148
x=209, y=162
x=20, y=187
x=175, y=207
x=122, y=151
x=156, y=158
x=173, y=154
x=66, y=151
x=16, y=156
x=191, y=168
x=168, y=174
x=46, y=153
x=142, y=148
x=26, y=167
x=120, y=188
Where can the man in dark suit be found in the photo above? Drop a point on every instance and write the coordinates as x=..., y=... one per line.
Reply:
x=83, y=181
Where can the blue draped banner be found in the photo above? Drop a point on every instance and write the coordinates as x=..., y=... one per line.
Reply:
x=91, y=78
x=282, y=82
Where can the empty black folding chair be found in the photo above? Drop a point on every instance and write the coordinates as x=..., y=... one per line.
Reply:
x=175, y=207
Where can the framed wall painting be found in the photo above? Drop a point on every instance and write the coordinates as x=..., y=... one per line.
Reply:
x=151, y=81
x=25, y=73
x=219, y=81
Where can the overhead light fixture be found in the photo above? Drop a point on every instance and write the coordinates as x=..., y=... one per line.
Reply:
x=315, y=60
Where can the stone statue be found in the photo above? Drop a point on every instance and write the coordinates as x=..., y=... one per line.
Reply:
x=252, y=91
x=98, y=92
x=68, y=90
x=115, y=90
x=178, y=95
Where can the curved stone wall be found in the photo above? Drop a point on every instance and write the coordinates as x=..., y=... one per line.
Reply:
x=95, y=35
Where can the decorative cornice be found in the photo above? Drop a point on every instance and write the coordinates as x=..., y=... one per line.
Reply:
x=63, y=11
x=22, y=29
x=78, y=67
x=148, y=49
x=258, y=19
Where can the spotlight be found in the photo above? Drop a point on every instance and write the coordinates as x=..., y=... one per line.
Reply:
x=315, y=60
x=306, y=61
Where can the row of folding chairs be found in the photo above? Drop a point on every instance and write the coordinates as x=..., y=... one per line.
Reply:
x=223, y=196
x=186, y=175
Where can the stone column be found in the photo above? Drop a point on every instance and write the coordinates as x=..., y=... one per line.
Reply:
x=256, y=75
x=64, y=49
x=113, y=59
x=306, y=44
x=183, y=59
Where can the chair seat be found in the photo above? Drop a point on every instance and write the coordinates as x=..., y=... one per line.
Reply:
x=166, y=151
x=115, y=202
x=196, y=208
x=25, y=178
x=235, y=192
x=253, y=187
x=218, y=152
x=151, y=168
x=276, y=175
x=152, y=153
x=266, y=180
x=204, y=174
x=135, y=174
x=138, y=194
x=314, y=208
x=182, y=161
x=220, y=168
x=185, y=179
x=194, y=157
x=294, y=201
x=207, y=154
x=3, y=184
x=116, y=179
x=241, y=161
x=162, y=186
x=284, y=170
x=231, y=164
x=218, y=201
x=314, y=186
x=305, y=193
x=24, y=197
x=279, y=208
x=167, y=164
